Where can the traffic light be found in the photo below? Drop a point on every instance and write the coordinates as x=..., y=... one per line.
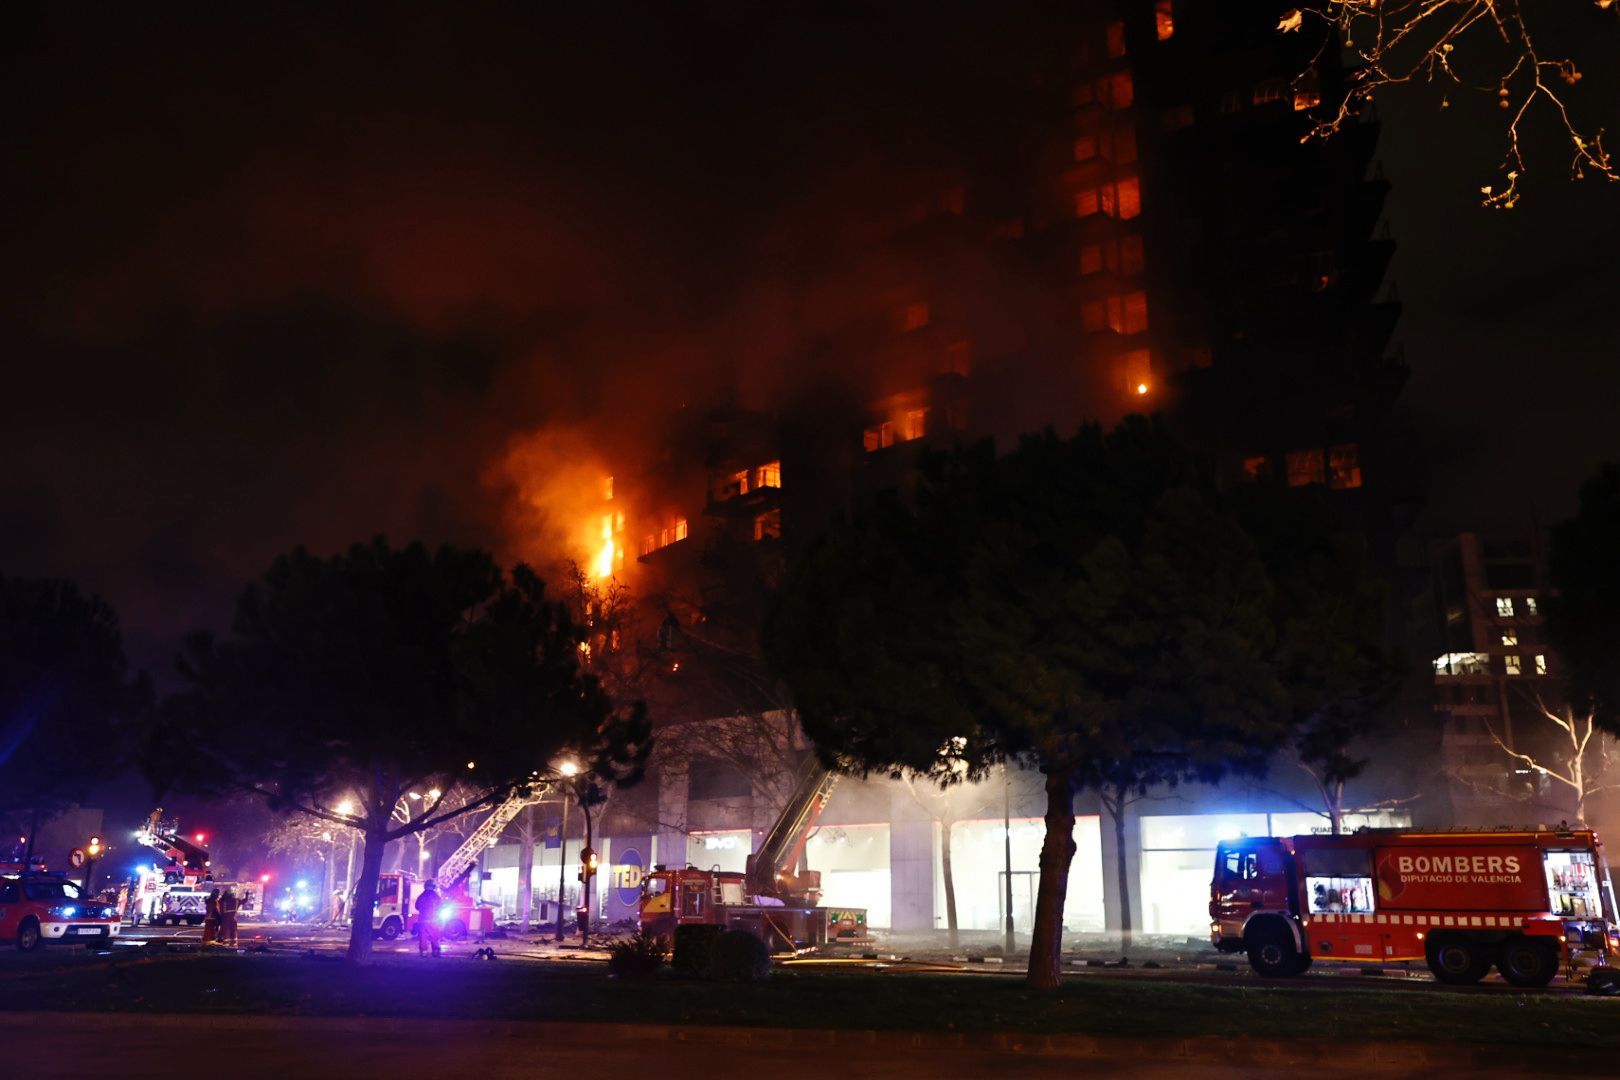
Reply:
x=93, y=849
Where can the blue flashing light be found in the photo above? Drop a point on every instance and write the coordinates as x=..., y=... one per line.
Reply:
x=444, y=913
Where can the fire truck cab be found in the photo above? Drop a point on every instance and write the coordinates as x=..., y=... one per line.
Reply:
x=1527, y=901
x=394, y=912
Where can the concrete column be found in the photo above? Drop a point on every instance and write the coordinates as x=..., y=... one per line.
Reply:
x=673, y=790
x=911, y=865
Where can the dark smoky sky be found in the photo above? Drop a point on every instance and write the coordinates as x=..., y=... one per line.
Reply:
x=287, y=275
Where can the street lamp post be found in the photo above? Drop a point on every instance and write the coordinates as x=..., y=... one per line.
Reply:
x=1006, y=838
x=568, y=769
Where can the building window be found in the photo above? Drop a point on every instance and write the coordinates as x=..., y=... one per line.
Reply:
x=1176, y=117
x=1344, y=467
x=1530, y=605
x=1305, y=467
x=1510, y=637
x=1130, y=255
x=770, y=475
x=1122, y=200
x=1116, y=39
x=1270, y=90
x=1511, y=665
x=914, y=316
x=879, y=436
x=1125, y=314
x=913, y=424
x=1093, y=316
x=1462, y=663
x=1164, y=20
x=1091, y=259
x=1086, y=203
x=1504, y=607
x=1541, y=665
x=1134, y=318
x=1085, y=148
x=768, y=526
x=1121, y=91
x=1084, y=94
x=1257, y=469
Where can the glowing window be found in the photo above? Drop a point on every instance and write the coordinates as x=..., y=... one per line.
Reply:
x=680, y=528
x=1176, y=117
x=1134, y=319
x=1306, y=97
x=768, y=526
x=1305, y=467
x=1086, y=203
x=914, y=316
x=1130, y=199
x=770, y=475
x=913, y=424
x=1257, y=468
x=1510, y=637
x=1085, y=148
x=607, y=488
x=1093, y=316
x=1504, y=606
x=1529, y=605
x=649, y=544
x=1091, y=259
x=1130, y=255
x=1139, y=371
x=1164, y=20
x=1511, y=665
x=1116, y=38
x=739, y=482
x=1541, y=665
x=1121, y=91
x=1344, y=467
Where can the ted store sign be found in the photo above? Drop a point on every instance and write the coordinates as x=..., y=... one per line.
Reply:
x=1461, y=878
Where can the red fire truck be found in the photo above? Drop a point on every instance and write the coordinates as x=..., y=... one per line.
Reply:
x=1525, y=900
x=771, y=901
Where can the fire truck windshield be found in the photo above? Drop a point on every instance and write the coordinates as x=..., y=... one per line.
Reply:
x=654, y=885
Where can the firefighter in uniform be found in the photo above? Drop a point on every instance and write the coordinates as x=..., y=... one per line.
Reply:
x=427, y=918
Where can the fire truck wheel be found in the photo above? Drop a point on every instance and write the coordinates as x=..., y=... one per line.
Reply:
x=455, y=930
x=1272, y=953
x=194, y=920
x=28, y=936
x=391, y=928
x=1458, y=960
x=1526, y=962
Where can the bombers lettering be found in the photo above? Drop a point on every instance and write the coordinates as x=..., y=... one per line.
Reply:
x=1458, y=864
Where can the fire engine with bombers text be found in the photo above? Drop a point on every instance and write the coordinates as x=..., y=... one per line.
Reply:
x=1529, y=901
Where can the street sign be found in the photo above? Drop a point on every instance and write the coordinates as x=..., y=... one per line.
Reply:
x=76, y=858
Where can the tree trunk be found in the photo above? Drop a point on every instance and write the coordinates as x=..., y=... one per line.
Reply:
x=365, y=894
x=525, y=896
x=1116, y=810
x=951, y=934
x=1057, y=852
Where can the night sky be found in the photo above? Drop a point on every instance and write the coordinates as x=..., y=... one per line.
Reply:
x=303, y=278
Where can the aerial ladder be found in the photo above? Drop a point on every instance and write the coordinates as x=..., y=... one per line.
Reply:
x=455, y=869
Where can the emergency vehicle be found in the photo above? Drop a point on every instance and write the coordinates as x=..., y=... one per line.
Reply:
x=394, y=911
x=175, y=890
x=770, y=900
x=1527, y=901
x=39, y=908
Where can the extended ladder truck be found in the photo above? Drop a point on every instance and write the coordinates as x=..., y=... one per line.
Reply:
x=772, y=899
x=176, y=891
x=394, y=912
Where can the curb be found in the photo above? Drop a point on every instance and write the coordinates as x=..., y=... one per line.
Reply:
x=1443, y=1057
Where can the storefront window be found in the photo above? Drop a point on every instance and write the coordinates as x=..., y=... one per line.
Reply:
x=1572, y=884
x=718, y=850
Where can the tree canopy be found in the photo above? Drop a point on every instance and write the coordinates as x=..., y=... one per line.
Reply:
x=68, y=701
x=349, y=682
x=1087, y=606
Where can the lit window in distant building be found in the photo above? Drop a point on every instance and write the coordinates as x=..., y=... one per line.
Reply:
x=913, y=424
x=680, y=528
x=672, y=532
x=879, y=436
x=1086, y=203
x=1344, y=467
x=1510, y=637
x=1130, y=199
x=1541, y=665
x=649, y=544
x=1091, y=259
x=1231, y=101
x=1123, y=150
x=1510, y=664
x=1305, y=467
x=1307, y=94
x=1257, y=469
x=607, y=488
x=1121, y=91
x=1462, y=663
x=959, y=357
x=769, y=475
x=1134, y=319
x=1504, y=607
x=1530, y=605
x=1116, y=38
x=1164, y=20
x=1176, y=117
x=914, y=316
x=1085, y=148
x=768, y=526
x=739, y=482
x=1270, y=90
